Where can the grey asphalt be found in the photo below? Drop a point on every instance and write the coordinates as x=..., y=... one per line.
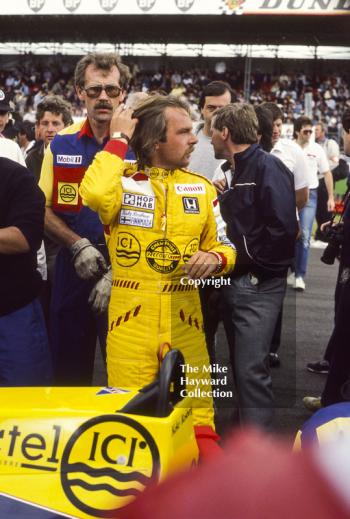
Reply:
x=307, y=325
x=314, y=324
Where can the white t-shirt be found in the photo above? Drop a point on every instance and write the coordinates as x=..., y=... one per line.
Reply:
x=10, y=150
x=27, y=149
x=203, y=159
x=219, y=174
x=293, y=158
x=317, y=163
x=331, y=148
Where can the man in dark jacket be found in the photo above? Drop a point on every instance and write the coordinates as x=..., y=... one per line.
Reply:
x=53, y=114
x=259, y=209
x=24, y=351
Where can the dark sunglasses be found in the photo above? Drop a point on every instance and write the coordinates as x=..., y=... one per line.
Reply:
x=95, y=91
x=305, y=132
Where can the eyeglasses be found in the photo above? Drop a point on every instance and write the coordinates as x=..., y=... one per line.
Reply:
x=305, y=132
x=95, y=91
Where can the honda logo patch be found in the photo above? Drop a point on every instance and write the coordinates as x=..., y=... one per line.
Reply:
x=191, y=205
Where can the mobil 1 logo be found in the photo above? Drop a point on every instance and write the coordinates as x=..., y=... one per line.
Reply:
x=35, y=5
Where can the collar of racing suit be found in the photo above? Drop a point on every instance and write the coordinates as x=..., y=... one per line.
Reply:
x=153, y=172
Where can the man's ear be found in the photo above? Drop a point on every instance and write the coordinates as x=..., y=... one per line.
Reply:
x=37, y=131
x=80, y=93
x=225, y=133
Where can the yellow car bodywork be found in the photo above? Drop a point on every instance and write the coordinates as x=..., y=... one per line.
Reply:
x=74, y=451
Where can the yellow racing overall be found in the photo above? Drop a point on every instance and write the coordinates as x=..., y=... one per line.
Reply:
x=157, y=219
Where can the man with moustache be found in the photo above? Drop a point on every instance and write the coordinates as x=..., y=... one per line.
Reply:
x=100, y=81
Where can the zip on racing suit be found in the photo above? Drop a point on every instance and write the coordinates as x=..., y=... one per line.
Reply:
x=157, y=220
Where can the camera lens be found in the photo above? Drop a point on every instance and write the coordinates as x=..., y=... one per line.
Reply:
x=329, y=254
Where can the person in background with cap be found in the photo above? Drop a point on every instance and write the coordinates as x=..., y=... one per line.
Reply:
x=5, y=109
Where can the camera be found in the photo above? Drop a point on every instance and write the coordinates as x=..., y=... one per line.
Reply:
x=335, y=237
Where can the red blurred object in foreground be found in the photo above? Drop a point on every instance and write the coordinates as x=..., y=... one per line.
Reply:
x=207, y=442
x=257, y=478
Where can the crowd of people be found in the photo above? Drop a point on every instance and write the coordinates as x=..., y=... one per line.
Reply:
x=137, y=203
x=330, y=92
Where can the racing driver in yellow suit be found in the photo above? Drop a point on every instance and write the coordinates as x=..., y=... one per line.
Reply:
x=165, y=230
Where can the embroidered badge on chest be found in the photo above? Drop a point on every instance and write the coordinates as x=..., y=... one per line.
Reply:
x=191, y=205
x=139, y=201
x=136, y=218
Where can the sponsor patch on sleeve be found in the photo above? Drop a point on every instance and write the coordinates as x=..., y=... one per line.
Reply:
x=194, y=189
x=136, y=218
x=68, y=193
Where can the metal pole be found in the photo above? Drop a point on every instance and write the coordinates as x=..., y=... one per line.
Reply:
x=247, y=73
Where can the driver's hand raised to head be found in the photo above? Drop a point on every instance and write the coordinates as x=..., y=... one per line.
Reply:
x=123, y=121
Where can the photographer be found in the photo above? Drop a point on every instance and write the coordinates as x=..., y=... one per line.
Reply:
x=338, y=350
